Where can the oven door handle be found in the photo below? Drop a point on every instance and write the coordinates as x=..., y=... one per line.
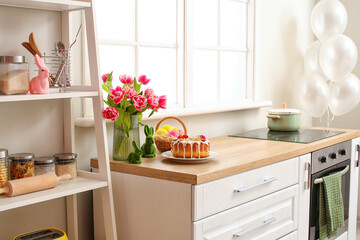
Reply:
x=343, y=172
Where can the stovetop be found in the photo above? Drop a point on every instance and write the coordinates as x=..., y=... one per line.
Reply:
x=303, y=135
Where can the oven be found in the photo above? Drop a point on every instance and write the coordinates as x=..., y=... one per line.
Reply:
x=324, y=162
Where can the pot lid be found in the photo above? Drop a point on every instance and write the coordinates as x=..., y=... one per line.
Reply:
x=284, y=111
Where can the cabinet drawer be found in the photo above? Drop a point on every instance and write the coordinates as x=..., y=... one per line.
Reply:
x=219, y=195
x=269, y=217
x=291, y=236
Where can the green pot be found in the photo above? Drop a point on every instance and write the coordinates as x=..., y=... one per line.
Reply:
x=285, y=120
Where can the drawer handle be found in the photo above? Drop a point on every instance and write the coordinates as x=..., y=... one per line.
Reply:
x=243, y=232
x=245, y=188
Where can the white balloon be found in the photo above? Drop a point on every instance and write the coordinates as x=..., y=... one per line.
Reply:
x=328, y=18
x=313, y=94
x=338, y=57
x=311, y=59
x=344, y=95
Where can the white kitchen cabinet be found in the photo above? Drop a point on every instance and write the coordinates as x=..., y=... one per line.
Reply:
x=160, y=206
x=216, y=196
x=156, y=209
x=354, y=179
x=268, y=217
x=304, y=195
x=85, y=181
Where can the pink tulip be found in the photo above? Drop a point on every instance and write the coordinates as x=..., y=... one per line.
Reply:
x=153, y=101
x=110, y=113
x=104, y=77
x=143, y=79
x=130, y=92
x=126, y=79
x=117, y=94
x=139, y=102
x=149, y=92
x=162, y=102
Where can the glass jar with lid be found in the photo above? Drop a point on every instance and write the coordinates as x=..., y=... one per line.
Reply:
x=3, y=166
x=65, y=163
x=14, y=75
x=44, y=165
x=21, y=165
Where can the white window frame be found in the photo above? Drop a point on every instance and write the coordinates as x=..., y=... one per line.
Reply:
x=249, y=50
x=184, y=52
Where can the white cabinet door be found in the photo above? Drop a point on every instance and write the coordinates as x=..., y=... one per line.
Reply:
x=269, y=217
x=354, y=179
x=304, y=196
x=219, y=195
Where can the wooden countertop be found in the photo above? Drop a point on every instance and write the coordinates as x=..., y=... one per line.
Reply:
x=235, y=155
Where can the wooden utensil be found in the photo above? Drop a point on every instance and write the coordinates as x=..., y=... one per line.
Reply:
x=32, y=47
x=32, y=184
x=28, y=47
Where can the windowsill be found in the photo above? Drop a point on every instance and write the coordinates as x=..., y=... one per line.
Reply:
x=89, y=121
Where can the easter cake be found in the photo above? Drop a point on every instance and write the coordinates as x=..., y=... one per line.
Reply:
x=185, y=147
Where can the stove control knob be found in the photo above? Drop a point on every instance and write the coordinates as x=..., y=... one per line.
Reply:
x=332, y=155
x=322, y=159
x=342, y=152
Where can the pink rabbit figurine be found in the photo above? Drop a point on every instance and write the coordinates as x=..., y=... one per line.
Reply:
x=40, y=83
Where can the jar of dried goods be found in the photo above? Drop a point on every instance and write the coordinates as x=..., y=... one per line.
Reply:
x=65, y=163
x=14, y=75
x=21, y=165
x=44, y=165
x=3, y=166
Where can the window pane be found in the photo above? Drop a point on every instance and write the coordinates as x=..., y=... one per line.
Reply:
x=205, y=17
x=118, y=59
x=159, y=64
x=233, y=23
x=115, y=19
x=157, y=21
x=232, y=75
x=205, y=78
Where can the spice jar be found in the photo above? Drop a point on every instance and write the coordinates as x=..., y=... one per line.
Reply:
x=65, y=163
x=21, y=165
x=44, y=165
x=14, y=75
x=3, y=166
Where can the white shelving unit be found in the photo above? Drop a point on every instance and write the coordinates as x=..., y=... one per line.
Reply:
x=85, y=181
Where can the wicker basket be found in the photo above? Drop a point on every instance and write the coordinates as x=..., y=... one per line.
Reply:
x=164, y=144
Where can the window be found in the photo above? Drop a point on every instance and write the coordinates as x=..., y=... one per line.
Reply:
x=197, y=52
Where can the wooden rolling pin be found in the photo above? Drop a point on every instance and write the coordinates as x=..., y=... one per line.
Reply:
x=32, y=184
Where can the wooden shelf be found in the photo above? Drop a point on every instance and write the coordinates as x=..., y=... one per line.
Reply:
x=53, y=5
x=53, y=95
x=66, y=188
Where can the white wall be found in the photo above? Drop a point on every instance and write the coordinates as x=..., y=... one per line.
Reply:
x=282, y=36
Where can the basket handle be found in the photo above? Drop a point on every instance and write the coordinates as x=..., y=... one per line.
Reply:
x=171, y=117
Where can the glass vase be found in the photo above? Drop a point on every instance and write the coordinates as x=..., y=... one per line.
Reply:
x=122, y=144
